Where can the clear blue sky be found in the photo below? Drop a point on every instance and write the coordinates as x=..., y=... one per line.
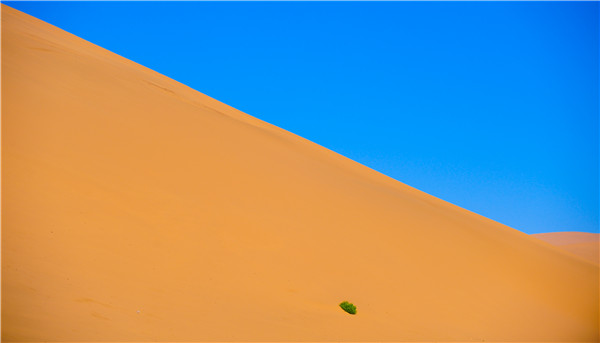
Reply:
x=492, y=106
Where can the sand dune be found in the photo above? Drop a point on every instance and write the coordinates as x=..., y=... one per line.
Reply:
x=137, y=209
x=583, y=244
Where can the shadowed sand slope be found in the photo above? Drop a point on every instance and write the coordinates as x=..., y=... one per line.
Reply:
x=137, y=209
x=583, y=244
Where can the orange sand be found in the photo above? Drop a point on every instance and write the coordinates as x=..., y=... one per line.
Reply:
x=125, y=191
x=583, y=244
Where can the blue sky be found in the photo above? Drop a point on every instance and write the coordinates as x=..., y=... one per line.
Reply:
x=492, y=106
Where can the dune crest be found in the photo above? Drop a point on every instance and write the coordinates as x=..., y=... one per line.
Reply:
x=583, y=244
x=137, y=209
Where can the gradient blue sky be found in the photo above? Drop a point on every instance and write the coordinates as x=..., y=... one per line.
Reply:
x=492, y=106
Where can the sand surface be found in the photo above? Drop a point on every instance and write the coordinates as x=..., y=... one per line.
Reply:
x=137, y=209
x=583, y=244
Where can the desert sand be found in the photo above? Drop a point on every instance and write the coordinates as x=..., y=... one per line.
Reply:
x=135, y=208
x=583, y=244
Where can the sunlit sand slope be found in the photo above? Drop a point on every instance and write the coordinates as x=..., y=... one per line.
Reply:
x=137, y=209
x=584, y=244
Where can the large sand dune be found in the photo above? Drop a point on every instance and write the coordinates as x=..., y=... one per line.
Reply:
x=137, y=209
x=583, y=244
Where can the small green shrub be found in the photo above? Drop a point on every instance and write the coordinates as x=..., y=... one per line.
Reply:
x=348, y=307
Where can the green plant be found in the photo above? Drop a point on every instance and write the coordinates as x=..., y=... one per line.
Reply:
x=348, y=307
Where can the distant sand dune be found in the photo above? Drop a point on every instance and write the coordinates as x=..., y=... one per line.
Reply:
x=137, y=209
x=584, y=244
